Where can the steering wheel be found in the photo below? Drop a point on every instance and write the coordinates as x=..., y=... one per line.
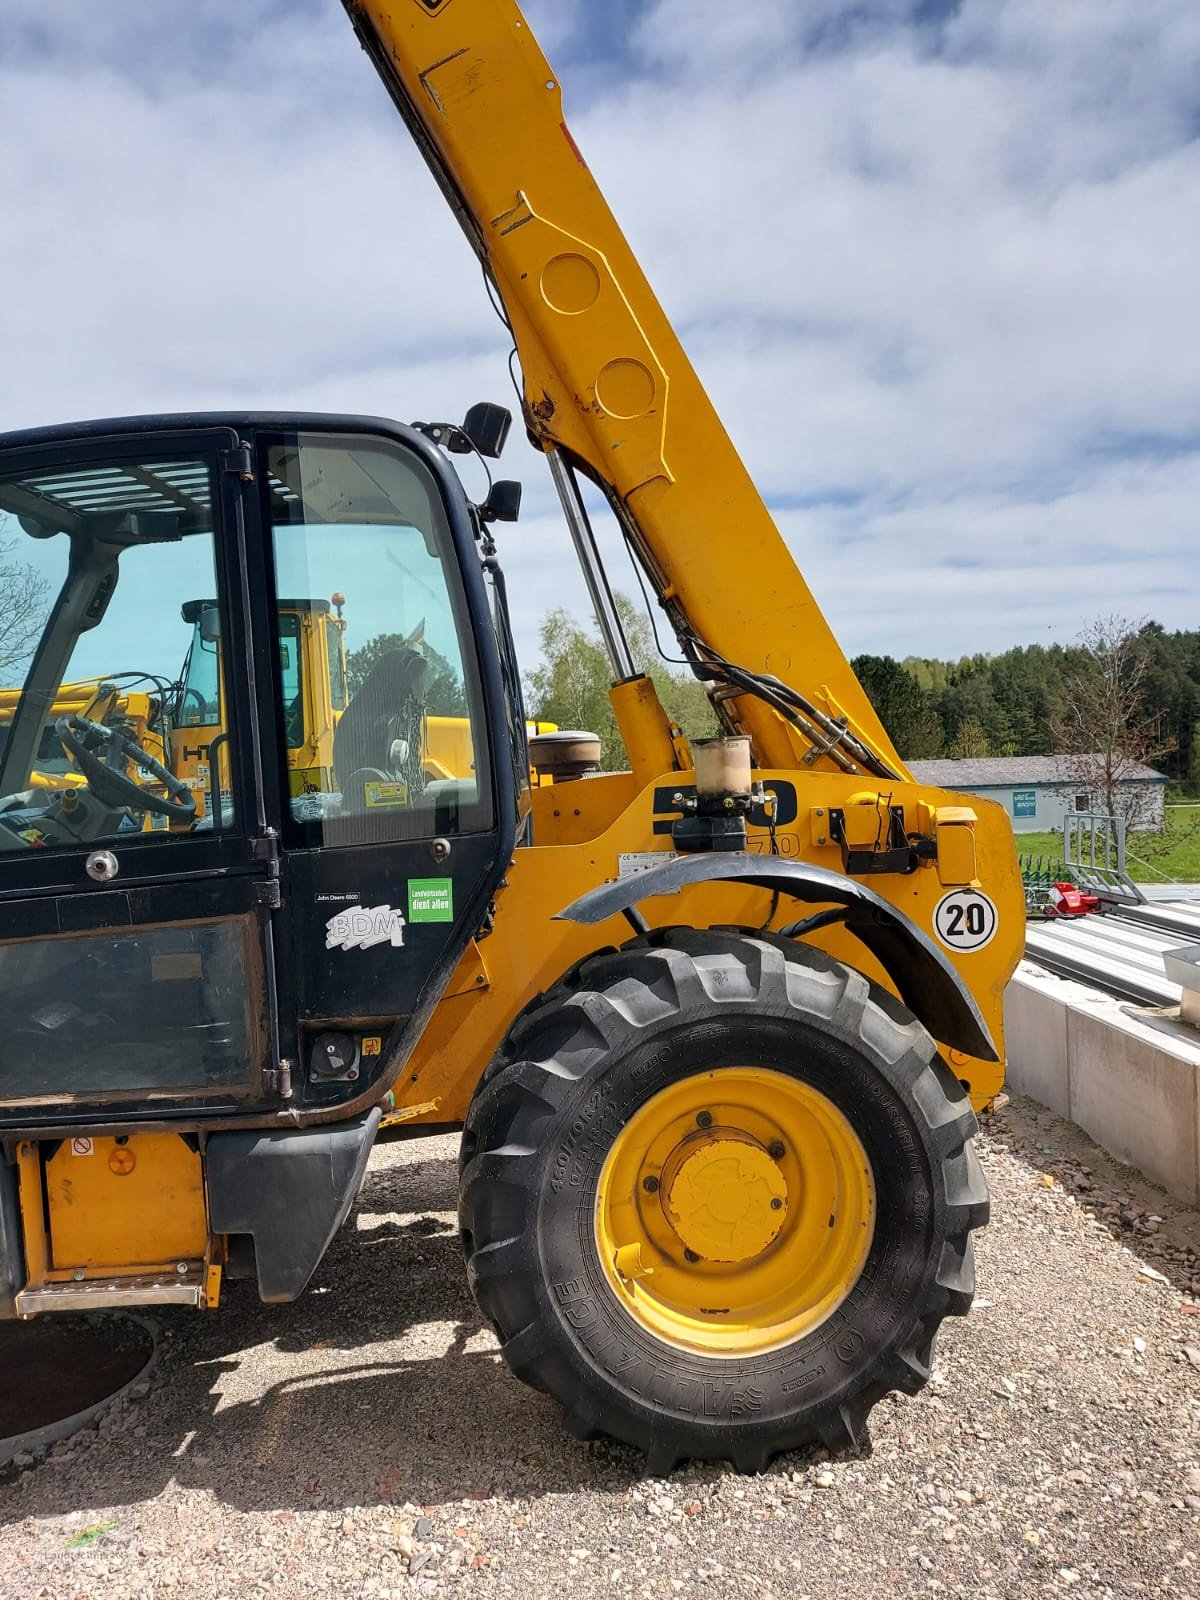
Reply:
x=97, y=750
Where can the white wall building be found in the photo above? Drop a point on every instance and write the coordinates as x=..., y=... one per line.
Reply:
x=1037, y=791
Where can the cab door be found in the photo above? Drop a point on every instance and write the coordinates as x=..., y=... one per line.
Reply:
x=135, y=939
x=389, y=863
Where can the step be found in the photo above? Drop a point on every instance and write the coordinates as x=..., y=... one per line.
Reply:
x=103, y=1294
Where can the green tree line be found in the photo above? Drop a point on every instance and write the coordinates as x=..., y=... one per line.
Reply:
x=1022, y=702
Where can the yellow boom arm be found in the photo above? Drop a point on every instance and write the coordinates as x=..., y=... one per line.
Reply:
x=606, y=381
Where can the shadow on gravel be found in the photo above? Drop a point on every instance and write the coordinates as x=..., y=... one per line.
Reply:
x=379, y=1385
x=1158, y=1229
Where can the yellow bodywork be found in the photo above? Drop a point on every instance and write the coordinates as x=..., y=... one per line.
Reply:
x=116, y=1207
x=581, y=831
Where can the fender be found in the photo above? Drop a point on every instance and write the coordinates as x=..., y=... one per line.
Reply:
x=290, y=1189
x=924, y=977
x=12, y=1253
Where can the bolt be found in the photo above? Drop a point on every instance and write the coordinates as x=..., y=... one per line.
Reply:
x=704, y=1119
x=690, y=1255
x=650, y=1185
x=78, y=1274
x=182, y=1267
x=776, y=1150
x=776, y=1204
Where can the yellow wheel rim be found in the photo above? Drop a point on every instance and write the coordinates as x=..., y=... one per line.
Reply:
x=734, y=1212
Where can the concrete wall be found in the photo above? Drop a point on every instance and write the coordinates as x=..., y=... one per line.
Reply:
x=1130, y=1080
x=1052, y=800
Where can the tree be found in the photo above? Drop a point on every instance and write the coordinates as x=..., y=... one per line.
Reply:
x=1107, y=729
x=23, y=613
x=444, y=692
x=969, y=742
x=1173, y=690
x=903, y=706
x=570, y=686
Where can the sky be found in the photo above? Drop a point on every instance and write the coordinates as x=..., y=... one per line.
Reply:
x=936, y=261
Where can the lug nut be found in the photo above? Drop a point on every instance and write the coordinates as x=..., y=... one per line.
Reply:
x=776, y=1150
x=704, y=1119
x=690, y=1255
x=650, y=1185
x=777, y=1204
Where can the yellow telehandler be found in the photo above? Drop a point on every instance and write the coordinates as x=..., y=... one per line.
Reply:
x=712, y=1027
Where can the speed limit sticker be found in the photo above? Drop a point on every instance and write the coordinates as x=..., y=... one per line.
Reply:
x=965, y=920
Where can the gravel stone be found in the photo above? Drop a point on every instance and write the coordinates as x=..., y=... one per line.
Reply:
x=367, y=1442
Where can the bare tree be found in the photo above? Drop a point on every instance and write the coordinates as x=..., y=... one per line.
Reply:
x=1106, y=732
x=23, y=607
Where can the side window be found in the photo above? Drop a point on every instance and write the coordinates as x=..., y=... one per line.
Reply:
x=105, y=724
x=393, y=733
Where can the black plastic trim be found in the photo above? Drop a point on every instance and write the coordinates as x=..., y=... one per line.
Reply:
x=12, y=1254
x=291, y=1190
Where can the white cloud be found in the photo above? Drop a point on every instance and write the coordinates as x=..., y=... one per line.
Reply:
x=939, y=278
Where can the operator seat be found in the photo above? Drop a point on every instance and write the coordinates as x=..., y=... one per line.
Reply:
x=389, y=706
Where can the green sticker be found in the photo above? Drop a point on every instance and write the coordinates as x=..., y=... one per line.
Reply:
x=431, y=900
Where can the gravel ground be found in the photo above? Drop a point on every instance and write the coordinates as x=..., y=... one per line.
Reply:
x=368, y=1441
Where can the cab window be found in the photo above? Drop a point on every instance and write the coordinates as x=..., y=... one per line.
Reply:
x=358, y=524
x=104, y=562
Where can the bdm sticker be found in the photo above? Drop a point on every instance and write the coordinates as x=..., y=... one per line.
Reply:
x=363, y=927
x=431, y=899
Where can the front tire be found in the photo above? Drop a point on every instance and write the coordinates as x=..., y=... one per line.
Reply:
x=716, y=1197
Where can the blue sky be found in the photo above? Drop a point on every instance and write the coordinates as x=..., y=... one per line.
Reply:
x=936, y=262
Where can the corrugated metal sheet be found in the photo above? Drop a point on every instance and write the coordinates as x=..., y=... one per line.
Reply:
x=1121, y=953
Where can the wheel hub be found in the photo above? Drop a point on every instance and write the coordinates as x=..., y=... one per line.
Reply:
x=734, y=1211
x=724, y=1196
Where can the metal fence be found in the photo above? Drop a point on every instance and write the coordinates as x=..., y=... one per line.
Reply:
x=1093, y=859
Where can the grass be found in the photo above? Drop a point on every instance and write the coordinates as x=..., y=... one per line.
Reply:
x=1173, y=855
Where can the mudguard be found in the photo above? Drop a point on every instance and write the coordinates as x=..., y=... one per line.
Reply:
x=291, y=1190
x=12, y=1255
x=924, y=977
